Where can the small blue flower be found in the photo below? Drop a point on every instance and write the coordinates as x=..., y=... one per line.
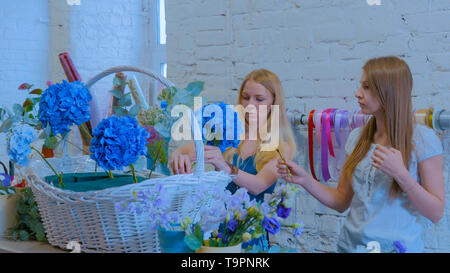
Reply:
x=19, y=142
x=118, y=142
x=164, y=105
x=5, y=179
x=282, y=211
x=271, y=225
x=64, y=104
x=399, y=247
x=298, y=230
x=232, y=225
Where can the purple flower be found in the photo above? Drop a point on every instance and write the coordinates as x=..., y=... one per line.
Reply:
x=154, y=135
x=399, y=247
x=5, y=179
x=282, y=211
x=271, y=225
x=232, y=225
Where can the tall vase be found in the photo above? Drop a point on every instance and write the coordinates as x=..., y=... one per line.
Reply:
x=7, y=214
x=172, y=241
x=65, y=163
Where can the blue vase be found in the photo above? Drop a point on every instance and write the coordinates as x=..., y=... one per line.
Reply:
x=160, y=168
x=172, y=241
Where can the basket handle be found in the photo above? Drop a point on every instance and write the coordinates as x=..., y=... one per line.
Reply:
x=199, y=148
x=165, y=82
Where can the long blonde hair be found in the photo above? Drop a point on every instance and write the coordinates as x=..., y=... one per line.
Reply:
x=287, y=144
x=390, y=80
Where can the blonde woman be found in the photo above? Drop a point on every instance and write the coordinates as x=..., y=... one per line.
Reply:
x=257, y=168
x=393, y=173
x=254, y=168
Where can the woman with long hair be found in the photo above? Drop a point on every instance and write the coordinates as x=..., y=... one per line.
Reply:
x=254, y=168
x=393, y=172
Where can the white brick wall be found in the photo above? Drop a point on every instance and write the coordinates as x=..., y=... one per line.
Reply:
x=317, y=48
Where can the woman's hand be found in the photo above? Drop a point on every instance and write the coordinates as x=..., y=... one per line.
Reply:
x=180, y=163
x=213, y=155
x=389, y=161
x=299, y=175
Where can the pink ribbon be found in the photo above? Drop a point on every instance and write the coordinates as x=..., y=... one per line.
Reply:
x=317, y=124
x=324, y=146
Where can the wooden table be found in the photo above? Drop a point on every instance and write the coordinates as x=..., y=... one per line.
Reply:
x=11, y=246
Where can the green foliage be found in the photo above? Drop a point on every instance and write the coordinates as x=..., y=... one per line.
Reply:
x=194, y=240
x=8, y=191
x=151, y=116
x=29, y=225
x=125, y=107
x=26, y=113
x=158, y=150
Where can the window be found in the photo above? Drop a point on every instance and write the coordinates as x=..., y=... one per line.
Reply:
x=158, y=41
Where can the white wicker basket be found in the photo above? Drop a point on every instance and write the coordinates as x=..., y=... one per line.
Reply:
x=90, y=218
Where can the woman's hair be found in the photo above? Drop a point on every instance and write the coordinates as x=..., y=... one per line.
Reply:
x=286, y=143
x=390, y=80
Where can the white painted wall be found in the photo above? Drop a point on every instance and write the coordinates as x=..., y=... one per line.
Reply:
x=317, y=48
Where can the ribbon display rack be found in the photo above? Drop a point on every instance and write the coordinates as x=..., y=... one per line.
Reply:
x=328, y=130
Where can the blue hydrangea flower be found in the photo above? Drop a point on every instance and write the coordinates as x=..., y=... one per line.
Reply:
x=229, y=122
x=118, y=142
x=19, y=142
x=271, y=225
x=64, y=104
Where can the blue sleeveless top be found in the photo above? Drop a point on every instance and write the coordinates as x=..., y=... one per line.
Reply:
x=248, y=166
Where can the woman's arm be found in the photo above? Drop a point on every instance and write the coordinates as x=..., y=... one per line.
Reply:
x=181, y=158
x=429, y=199
x=255, y=184
x=338, y=198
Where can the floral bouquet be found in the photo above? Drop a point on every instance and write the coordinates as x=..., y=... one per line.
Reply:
x=229, y=219
x=158, y=121
x=60, y=106
x=241, y=220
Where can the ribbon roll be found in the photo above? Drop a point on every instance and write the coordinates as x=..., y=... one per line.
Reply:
x=317, y=124
x=328, y=124
x=311, y=143
x=341, y=119
x=324, y=149
x=420, y=116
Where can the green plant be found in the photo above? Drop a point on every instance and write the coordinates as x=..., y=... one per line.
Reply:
x=29, y=225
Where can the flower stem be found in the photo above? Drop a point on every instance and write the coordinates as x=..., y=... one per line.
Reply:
x=155, y=160
x=59, y=176
x=76, y=146
x=85, y=130
x=134, y=174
